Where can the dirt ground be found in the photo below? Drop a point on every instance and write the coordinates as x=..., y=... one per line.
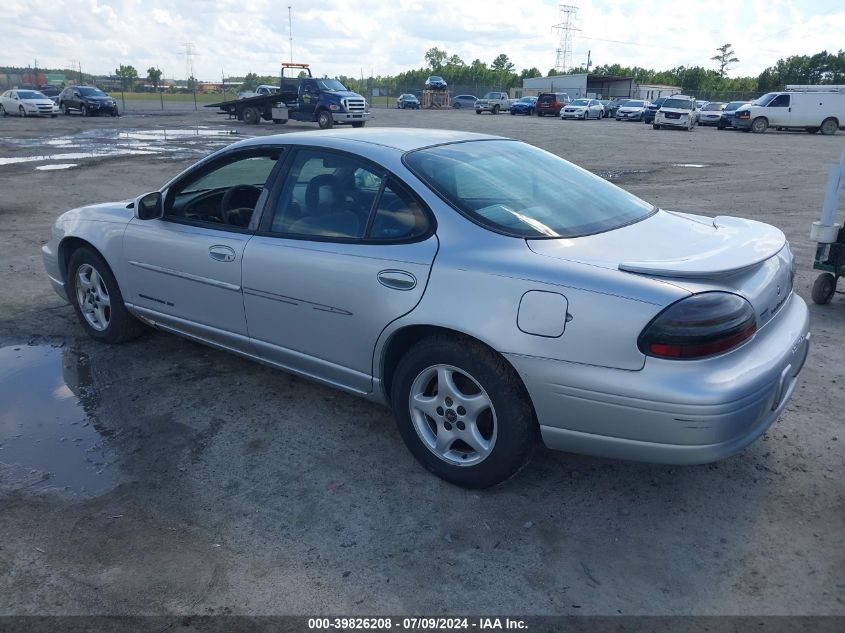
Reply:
x=163, y=477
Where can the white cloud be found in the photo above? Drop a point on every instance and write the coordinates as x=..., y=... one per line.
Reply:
x=366, y=36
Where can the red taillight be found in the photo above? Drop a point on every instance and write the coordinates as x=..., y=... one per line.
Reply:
x=701, y=325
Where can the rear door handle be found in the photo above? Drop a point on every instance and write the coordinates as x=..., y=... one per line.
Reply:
x=397, y=279
x=221, y=253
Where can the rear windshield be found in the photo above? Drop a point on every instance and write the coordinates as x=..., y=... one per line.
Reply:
x=520, y=190
x=679, y=104
x=546, y=97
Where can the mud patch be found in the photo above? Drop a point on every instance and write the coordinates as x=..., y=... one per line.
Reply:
x=50, y=434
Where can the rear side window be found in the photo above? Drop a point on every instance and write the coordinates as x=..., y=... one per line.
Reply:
x=399, y=216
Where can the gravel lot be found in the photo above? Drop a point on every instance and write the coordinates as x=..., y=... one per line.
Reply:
x=163, y=477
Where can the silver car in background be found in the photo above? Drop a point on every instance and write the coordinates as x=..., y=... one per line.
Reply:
x=490, y=292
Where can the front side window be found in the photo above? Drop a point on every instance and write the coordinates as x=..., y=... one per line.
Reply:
x=781, y=101
x=224, y=193
x=523, y=191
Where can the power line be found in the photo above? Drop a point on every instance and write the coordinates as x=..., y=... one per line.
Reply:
x=599, y=39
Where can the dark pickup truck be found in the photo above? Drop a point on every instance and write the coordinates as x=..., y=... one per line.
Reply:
x=304, y=98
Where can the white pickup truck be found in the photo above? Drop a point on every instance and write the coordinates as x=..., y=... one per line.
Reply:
x=493, y=102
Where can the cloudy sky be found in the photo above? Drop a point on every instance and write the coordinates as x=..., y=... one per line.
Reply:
x=386, y=36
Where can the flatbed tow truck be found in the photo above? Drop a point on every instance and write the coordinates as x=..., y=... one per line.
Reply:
x=302, y=98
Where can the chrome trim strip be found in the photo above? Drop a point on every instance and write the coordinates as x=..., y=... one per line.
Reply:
x=182, y=275
x=294, y=301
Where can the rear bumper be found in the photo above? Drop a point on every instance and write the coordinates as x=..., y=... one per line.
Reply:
x=677, y=412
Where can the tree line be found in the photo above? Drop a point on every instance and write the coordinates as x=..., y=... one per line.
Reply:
x=501, y=74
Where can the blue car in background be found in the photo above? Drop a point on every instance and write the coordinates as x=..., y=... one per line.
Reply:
x=729, y=113
x=525, y=105
x=651, y=111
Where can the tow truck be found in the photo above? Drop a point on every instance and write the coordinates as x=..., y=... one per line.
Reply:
x=301, y=98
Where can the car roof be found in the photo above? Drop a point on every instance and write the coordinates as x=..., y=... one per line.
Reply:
x=402, y=139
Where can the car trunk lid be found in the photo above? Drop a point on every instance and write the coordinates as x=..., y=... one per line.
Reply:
x=693, y=252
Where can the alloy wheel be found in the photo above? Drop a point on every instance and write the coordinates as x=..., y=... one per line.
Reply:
x=92, y=295
x=453, y=415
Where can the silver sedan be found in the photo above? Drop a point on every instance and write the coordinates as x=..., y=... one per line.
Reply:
x=489, y=292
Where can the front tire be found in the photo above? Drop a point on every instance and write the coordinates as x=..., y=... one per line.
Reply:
x=83, y=110
x=324, y=120
x=655, y=126
x=759, y=125
x=22, y=112
x=96, y=299
x=65, y=109
x=358, y=123
x=463, y=412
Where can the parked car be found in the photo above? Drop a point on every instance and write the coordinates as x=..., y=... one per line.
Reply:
x=27, y=103
x=525, y=105
x=676, y=111
x=632, y=110
x=435, y=82
x=408, y=101
x=727, y=117
x=612, y=106
x=51, y=92
x=651, y=110
x=577, y=312
x=464, y=101
x=550, y=103
x=88, y=100
x=582, y=109
x=711, y=113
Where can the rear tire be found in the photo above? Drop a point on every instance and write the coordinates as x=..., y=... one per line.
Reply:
x=96, y=299
x=829, y=126
x=463, y=412
x=457, y=105
x=251, y=116
x=655, y=126
x=823, y=288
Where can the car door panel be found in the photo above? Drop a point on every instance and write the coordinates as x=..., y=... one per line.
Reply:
x=319, y=307
x=188, y=276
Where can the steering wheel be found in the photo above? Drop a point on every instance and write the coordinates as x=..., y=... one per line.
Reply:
x=233, y=193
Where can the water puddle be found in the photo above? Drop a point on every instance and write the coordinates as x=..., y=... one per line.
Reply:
x=175, y=143
x=56, y=167
x=689, y=165
x=50, y=435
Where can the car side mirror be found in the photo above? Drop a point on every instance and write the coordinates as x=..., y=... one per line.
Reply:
x=150, y=206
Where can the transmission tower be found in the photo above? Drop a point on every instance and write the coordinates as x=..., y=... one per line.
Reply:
x=189, y=59
x=563, y=58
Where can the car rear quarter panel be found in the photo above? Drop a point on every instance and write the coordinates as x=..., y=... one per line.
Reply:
x=479, y=279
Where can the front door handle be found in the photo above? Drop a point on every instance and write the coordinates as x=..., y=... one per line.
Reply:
x=397, y=279
x=221, y=253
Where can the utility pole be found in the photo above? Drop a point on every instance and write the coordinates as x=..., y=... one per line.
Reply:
x=290, y=34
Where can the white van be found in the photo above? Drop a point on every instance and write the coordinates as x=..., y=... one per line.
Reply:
x=811, y=110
